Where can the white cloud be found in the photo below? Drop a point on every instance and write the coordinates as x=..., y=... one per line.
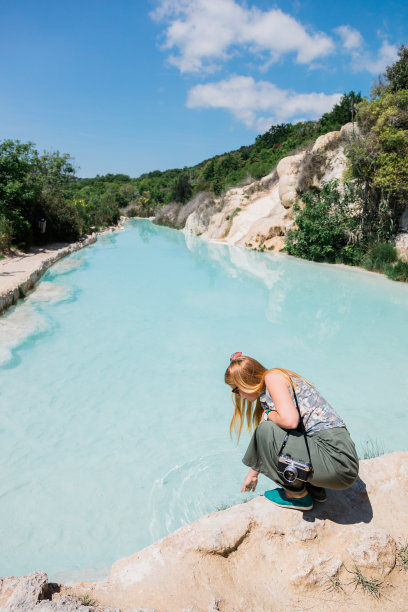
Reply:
x=351, y=37
x=203, y=33
x=385, y=56
x=258, y=104
x=361, y=59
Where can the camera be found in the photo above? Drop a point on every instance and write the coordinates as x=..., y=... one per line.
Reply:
x=292, y=470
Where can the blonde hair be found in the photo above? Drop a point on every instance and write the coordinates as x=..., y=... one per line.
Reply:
x=248, y=375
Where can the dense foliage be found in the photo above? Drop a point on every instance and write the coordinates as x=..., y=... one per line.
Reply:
x=356, y=224
x=35, y=187
x=326, y=226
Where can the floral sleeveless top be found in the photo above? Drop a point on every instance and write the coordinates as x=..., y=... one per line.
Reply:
x=317, y=413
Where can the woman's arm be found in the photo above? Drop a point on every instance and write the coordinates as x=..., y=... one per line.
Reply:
x=286, y=414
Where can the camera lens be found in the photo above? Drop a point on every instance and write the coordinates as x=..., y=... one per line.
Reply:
x=290, y=473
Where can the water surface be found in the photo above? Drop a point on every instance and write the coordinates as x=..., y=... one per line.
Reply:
x=114, y=428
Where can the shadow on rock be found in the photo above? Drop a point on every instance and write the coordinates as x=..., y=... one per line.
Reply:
x=344, y=507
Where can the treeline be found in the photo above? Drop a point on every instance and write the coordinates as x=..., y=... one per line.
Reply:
x=357, y=223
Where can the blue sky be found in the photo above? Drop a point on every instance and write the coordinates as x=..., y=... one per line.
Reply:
x=137, y=85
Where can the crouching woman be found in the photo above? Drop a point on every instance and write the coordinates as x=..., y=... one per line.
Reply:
x=271, y=401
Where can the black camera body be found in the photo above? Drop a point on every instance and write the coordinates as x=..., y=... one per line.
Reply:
x=292, y=470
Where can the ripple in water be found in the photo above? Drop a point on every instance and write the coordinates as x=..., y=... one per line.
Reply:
x=190, y=490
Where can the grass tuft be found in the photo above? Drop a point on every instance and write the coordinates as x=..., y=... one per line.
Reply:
x=86, y=600
x=402, y=555
x=334, y=584
x=372, y=448
x=371, y=586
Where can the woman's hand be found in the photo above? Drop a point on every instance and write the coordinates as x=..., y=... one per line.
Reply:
x=250, y=482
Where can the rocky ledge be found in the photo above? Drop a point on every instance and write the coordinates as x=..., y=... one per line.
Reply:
x=20, y=271
x=348, y=553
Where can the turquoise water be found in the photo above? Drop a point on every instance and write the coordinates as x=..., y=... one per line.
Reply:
x=114, y=428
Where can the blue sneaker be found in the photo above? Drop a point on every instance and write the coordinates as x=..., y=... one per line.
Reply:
x=278, y=497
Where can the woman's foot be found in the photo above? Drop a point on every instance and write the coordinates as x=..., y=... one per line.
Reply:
x=280, y=498
x=318, y=493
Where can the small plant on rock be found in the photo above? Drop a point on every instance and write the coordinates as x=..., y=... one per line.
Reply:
x=86, y=600
x=402, y=555
x=372, y=448
x=371, y=586
x=334, y=584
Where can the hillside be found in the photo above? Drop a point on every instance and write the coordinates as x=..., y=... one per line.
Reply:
x=360, y=220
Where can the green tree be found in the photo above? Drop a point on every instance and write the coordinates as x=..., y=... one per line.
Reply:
x=378, y=160
x=396, y=75
x=342, y=113
x=182, y=190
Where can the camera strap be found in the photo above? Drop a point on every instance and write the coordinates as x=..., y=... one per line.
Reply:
x=302, y=427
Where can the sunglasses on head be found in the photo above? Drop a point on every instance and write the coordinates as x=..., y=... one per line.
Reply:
x=235, y=390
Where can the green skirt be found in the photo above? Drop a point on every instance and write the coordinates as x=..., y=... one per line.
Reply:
x=333, y=454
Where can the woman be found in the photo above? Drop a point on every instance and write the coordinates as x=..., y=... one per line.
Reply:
x=267, y=400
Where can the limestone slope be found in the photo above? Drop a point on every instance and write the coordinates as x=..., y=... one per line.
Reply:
x=259, y=214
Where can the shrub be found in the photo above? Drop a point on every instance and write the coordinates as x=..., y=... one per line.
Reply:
x=379, y=255
x=398, y=271
x=63, y=219
x=325, y=226
x=6, y=233
x=313, y=167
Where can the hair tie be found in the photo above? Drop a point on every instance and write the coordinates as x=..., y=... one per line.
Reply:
x=235, y=356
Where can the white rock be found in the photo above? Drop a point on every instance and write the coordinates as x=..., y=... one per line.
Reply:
x=288, y=171
x=23, y=592
x=350, y=129
x=373, y=548
x=324, y=140
x=401, y=244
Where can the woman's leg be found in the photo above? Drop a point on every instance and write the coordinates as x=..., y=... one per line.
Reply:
x=262, y=455
x=334, y=458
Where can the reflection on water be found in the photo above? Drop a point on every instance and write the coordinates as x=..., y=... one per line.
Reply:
x=313, y=300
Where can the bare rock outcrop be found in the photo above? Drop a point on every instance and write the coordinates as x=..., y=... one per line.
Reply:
x=288, y=170
x=257, y=556
x=22, y=593
x=401, y=244
x=344, y=554
x=259, y=214
x=401, y=239
x=200, y=209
